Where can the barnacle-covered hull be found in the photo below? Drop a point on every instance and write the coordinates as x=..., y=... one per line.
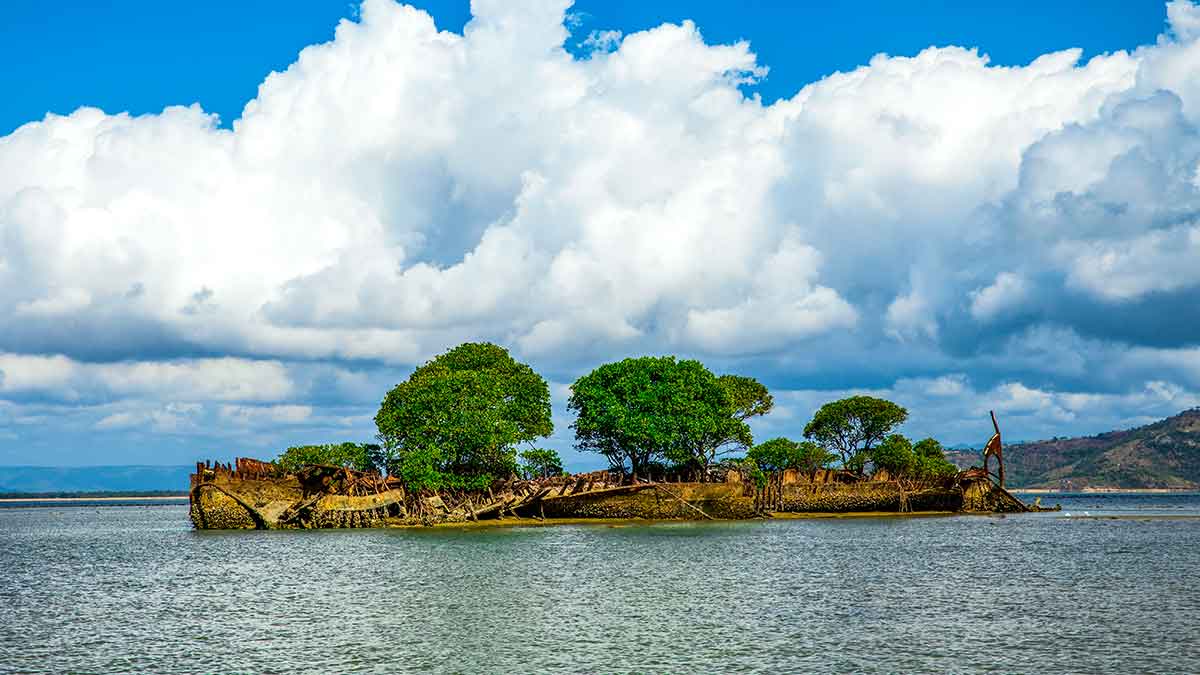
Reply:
x=256, y=495
x=250, y=494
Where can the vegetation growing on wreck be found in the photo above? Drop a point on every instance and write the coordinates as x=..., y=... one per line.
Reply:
x=357, y=456
x=540, y=463
x=781, y=454
x=457, y=443
x=653, y=411
x=457, y=421
x=852, y=427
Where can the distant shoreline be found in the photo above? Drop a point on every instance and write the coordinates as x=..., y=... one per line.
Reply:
x=1103, y=491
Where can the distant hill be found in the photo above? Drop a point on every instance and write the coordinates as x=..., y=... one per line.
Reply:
x=1159, y=455
x=30, y=479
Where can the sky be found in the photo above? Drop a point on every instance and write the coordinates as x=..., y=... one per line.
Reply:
x=224, y=230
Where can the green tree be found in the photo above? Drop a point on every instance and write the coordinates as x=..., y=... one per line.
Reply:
x=931, y=460
x=779, y=454
x=638, y=410
x=747, y=396
x=357, y=456
x=538, y=463
x=457, y=420
x=928, y=447
x=895, y=455
x=852, y=426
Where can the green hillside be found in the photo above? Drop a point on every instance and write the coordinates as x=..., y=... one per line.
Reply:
x=1165, y=454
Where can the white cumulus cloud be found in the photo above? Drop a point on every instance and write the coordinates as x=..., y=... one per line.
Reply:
x=399, y=189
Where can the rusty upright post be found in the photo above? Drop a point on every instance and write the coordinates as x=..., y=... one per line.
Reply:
x=994, y=447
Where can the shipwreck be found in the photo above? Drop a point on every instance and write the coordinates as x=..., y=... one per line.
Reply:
x=251, y=494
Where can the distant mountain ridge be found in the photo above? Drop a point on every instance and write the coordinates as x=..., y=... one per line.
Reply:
x=1164, y=454
x=134, y=478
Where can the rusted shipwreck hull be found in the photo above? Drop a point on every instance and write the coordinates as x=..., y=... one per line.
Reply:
x=250, y=494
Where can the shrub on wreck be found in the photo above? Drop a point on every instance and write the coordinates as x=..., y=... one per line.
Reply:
x=852, y=426
x=924, y=460
x=640, y=410
x=458, y=419
x=779, y=454
x=931, y=460
x=539, y=463
x=357, y=456
x=895, y=455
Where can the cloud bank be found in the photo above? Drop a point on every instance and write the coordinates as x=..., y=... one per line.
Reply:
x=923, y=223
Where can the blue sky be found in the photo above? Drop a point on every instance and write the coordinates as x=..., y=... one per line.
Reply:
x=249, y=260
x=140, y=56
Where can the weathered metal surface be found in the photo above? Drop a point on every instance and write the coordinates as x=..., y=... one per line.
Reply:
x=994, y=448
x=254, y=494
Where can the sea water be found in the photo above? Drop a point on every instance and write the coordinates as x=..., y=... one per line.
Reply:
x=1107, y=585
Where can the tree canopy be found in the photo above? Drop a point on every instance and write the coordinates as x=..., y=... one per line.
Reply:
x=457, y=420
x=931, y=459
x=357, y=456
x=539, y=463
x=901, y=458
x=659, y=408
x=852, y=426
x=895, y=455
x=779, y=454
x=747, y=397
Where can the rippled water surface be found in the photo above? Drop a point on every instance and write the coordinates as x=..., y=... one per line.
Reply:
x=132, y=589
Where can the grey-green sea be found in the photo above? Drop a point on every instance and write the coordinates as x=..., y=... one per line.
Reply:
x=1108, y=585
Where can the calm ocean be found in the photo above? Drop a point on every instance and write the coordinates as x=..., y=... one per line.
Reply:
x=1108, y=585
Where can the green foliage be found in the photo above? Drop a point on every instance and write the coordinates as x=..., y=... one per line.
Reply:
x=746, y=466
x=776, y=454
x=931, y=460
x=654, y=408
x=935, y=468
x=929, y=448
x=779, y=454
x=757, y=475
x=537, y=463
x=925, y=460
x=813, y=457
x=851, y=427
x=456, y=421
x=895, y=455
x=747, y=396
x=357, y=456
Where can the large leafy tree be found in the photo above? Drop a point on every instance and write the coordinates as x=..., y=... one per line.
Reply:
x=851, y=427
x=747, y=397
x=458, y=419
x=653, y=408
